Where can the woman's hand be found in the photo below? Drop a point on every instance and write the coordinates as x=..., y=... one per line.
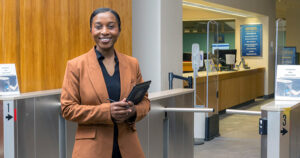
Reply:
x=132, y=109
x=122, y=110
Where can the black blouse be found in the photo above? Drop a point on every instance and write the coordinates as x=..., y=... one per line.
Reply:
x=113, y=86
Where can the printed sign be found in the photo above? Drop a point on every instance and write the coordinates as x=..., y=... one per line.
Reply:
x=285, y=133
x=8, y=80
x=251, y=40
x=8, y=129
x=287, y=56
x=197, y=57
x=287, y=82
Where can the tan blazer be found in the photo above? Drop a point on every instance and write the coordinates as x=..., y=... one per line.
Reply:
x=84, y=100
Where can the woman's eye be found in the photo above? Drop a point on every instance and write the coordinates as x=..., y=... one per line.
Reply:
x=98, y=27
x=111, y=26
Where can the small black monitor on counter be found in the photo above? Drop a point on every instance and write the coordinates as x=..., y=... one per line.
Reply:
x=227, y=57
x=187, y=56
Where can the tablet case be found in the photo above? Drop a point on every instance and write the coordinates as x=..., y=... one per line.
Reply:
x=138, y=92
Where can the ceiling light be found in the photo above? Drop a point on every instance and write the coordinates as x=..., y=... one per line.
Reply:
x=197, y=5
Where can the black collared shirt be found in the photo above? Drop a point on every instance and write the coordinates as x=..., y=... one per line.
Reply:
x=113, y=87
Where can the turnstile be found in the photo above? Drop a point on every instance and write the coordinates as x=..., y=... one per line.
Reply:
x=167, y=131
x=279, y=128
x=283, y=135
x=32, y=127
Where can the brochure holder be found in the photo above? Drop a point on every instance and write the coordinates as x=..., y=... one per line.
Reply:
x=8, y=80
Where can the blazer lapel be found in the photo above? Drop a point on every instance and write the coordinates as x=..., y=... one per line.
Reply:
x=96, y=77
x=125, y=76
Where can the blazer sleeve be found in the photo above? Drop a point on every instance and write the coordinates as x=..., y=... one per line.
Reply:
x=71, y=105
x=143, y=107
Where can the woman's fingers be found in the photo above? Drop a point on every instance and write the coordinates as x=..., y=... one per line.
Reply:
x=130, y=103
x=122, y=110
x=119, y=103
x=119, y=108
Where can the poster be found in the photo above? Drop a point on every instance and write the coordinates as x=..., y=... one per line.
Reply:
x=251, y=40
x=8, y=80
x=287, y=56
x=287, y=82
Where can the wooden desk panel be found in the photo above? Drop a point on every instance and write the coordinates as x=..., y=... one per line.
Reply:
x=201, y=92
x=235, y=87
x=229, y=88
x=260, y=82
x=187, y=66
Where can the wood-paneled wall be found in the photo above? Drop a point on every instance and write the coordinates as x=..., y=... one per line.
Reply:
x=40, y=36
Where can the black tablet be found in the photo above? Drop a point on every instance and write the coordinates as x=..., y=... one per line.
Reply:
x=138, y=92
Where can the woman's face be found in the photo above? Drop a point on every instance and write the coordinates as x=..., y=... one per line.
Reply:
x=105, y=31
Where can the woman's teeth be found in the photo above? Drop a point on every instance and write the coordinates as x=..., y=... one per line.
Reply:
x=105, y=39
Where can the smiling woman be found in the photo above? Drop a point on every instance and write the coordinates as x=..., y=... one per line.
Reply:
x=105, y=28
x=105, y=129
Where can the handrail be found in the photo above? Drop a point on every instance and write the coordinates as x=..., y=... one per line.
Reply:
x=205, y=110
x=243, y=112
x=172, y=76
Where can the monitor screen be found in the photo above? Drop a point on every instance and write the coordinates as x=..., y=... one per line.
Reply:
x=226, y=57
x=219, y=46
x=187, y=56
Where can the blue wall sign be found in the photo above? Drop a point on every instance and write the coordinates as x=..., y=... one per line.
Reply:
x=251, y=40
x=286, y=56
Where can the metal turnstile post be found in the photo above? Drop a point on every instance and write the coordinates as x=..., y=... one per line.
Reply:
x=166, y=123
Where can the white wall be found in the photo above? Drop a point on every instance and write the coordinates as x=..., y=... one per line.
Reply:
x=146, y=39
x=172, y=51
x=293, y=25
x=266, y=8
x=265, y=14
x=262, y=61
x=192, y=13
x=157, y=40
x=157, y=37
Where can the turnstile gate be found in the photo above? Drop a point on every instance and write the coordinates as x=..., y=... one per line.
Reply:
x=32, y=127
x=279, y=128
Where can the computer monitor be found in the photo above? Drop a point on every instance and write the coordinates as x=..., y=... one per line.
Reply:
x=187, y=56
x=226, y=57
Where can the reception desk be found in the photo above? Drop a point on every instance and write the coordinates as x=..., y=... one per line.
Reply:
x=229, y=88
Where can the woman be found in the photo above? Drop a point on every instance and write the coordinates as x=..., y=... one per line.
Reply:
x=105, y=129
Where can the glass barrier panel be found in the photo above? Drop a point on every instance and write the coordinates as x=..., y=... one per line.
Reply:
x=287, y=77
x=211, y=80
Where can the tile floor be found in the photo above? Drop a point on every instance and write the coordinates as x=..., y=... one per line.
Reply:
x=239, y=136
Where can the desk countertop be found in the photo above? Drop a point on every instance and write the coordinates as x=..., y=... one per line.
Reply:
x=203, y=73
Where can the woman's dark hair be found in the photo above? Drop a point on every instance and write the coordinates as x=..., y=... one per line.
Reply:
x=103, y=10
